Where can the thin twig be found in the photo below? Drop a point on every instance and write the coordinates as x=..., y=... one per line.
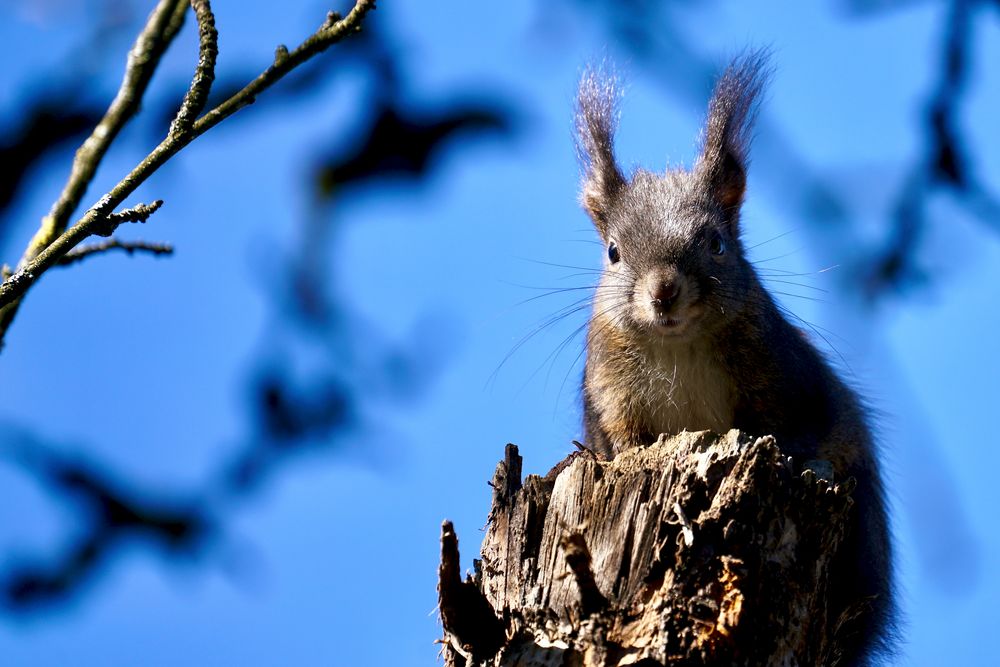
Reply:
x=204, y=74
x=129, y=247
x=333, y=30
x=138, y=213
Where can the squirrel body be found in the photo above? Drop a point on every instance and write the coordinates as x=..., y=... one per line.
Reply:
x=684, y=336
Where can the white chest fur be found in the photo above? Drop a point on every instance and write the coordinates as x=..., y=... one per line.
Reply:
x=680, y=387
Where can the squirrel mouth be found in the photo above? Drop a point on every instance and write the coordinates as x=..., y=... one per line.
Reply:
x=676, y=323
x=670, y=324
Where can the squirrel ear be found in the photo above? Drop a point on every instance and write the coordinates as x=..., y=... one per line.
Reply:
x=596, y=118
x=728, y=130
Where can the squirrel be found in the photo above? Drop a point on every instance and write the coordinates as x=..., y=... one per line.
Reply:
x=684, y=336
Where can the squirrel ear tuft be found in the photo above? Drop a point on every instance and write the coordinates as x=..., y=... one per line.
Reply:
x=596, y=120
x=729, y=129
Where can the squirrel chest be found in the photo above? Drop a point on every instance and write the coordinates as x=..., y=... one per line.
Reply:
x=656, y=388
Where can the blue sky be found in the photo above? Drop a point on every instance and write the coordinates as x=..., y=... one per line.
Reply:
x=142, y=362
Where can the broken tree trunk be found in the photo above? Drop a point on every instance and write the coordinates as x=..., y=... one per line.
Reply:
x=700, y=549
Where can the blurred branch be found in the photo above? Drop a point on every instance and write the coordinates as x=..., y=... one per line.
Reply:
x=945, y=164
x=61, y=107
x=45, y=123
x=290, y=421
x=403, y=141
x=111, y=514
x=46, y=249
x=129, y=247
x=867, y=8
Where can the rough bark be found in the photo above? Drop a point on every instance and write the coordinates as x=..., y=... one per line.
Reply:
x=700, y=549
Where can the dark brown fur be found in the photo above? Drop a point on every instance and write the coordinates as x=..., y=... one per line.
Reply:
x=685, y=337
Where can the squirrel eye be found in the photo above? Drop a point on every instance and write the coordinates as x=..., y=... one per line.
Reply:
x=717, y=245
x=613, y=254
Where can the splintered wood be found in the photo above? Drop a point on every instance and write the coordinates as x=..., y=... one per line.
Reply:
x=700, y=549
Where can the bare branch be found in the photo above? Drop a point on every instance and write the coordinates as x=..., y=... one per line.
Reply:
x=95, y=219
x=161, y=27
x=129, y=247
x=204, y=74
x=332, y=31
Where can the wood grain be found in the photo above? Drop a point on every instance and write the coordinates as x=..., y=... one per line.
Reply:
x=700, y=549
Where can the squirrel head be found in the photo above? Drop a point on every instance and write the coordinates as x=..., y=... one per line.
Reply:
x=674, y=263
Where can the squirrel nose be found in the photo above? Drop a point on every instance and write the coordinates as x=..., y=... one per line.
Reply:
x=665, y=294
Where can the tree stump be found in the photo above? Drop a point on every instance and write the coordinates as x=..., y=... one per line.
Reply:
x=700, y=549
